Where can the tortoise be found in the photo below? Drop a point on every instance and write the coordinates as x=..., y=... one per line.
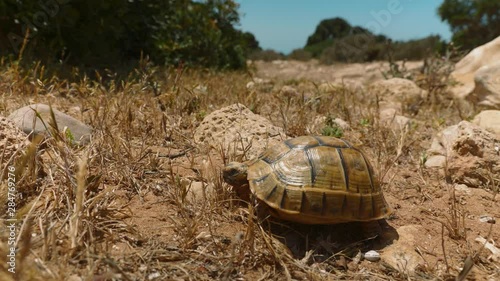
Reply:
x=312, y=180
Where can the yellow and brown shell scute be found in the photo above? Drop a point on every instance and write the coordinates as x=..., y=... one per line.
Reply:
x=317, y=180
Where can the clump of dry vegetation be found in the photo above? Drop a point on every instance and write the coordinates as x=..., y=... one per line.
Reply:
x=144, y=202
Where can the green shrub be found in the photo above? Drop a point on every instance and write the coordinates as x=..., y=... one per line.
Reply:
x=316, y=49
x=266, y=55
x=300, y=55
x=416, y=49
x=105, y=33
x=332, y=129
x=354, y=48
x=472, y=22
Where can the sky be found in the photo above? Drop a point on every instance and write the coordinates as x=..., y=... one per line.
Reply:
x=284, y=25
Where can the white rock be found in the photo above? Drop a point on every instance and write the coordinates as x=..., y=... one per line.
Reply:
x=487, y=86
x=342, y=124
x=489, y=120
x=469, y=153
x=23, y=118
x=74, y=277
x=435, y=161
x=233, y=126
x=443, y=141
x=486, y=218
x=400, y=94
x=372, y=256
x=154, y=275
x=466, y=68
x=401, y=254
x=200, y=89
x=389, y=117
x=462, y=189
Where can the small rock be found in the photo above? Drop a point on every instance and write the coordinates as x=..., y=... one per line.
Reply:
x=389, y=117
x=462, y=188
x=289, y=92
x=401, y=254
x=466, y=68
x=372, y=256
x=342, y=124
x=154, y=275
x=23, y=118
x=235, y=127
x=258, y=82
x=487, y=90
x=473, y=159
x=435, y=161
x=200, y=90
x=197, y=191
x=488, y=219
x=488, y=120
x=143, y=268
x=443, y=141
x=468, y=152
x=400, y=94
x=74, y=277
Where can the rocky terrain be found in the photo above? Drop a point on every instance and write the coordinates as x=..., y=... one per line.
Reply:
x=123, y=181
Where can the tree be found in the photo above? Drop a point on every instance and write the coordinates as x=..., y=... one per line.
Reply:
x=472, y=22
x=105, y=33
x=331, y=29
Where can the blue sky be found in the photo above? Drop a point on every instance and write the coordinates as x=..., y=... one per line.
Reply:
x=284, y=25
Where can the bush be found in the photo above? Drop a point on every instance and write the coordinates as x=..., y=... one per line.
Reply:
x=105, y=33
x=316, y=49
x=335, y=40
x=417, y=49
x=266, y=55
x=472, y=23
x=300, y=55
x=354, y=48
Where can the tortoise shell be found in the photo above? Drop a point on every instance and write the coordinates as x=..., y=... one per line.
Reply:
x=317, y=180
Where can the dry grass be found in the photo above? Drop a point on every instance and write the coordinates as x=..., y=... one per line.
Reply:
x=79, y=207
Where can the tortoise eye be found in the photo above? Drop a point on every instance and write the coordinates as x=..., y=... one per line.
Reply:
x=232, y=172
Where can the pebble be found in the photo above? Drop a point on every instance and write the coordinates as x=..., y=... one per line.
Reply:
x=488, y=219
x=372, y=256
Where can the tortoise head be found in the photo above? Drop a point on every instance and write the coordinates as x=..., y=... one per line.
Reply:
x=235, y=174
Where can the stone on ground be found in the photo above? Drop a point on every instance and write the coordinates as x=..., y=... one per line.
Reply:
x=235, y=128
x=469, y=152
x=400, y=94
x=487, y=90
x=488, y=120
x=24, y=119
x=467, y=68
x=390, y=118
x=401, y=254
